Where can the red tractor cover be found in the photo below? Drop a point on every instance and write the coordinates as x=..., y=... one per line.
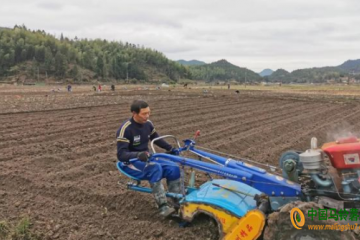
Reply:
x=344, y=153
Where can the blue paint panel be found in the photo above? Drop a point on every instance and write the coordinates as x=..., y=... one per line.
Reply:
x=235, y=202
x=119, y=165
x=268, y=183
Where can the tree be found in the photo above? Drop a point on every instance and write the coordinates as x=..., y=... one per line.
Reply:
x=49, y=60
x=35, y=69
x=100, y=66
x=30, y=49
x=60, y=64
x=107, y=59
x=88, y=59
x=74, y=73
x=18, y=50
x=23, y=55
x=40, y=53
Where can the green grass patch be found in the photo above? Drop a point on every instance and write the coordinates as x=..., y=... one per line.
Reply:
x=22, y=230
x=4, y=229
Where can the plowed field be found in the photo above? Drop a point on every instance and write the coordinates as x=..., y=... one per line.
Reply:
x=58, y=151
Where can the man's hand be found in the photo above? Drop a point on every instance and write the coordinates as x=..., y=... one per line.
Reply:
x=143, y=156
x=173, y=151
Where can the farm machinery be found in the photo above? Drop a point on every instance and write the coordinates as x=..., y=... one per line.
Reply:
x=246, y=195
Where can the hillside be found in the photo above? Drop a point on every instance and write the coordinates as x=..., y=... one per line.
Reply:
x=191, y=62
x=224, y=71
x=4, y=28
x=314, y=75
x=279, y=75
x=351, y=66
x=36, y=55
x=348, y=70
x=266, y=72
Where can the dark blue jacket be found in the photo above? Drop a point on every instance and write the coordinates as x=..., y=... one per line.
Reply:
x=133, y=137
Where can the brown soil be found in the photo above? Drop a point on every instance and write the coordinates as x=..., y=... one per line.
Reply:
x=58, y=154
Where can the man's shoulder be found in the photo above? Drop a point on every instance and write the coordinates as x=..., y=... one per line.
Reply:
x=123, y=127
x=126, y=122
x=149, y=123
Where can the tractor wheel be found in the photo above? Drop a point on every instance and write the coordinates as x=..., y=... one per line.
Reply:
x=280, y=227
x=205, y=227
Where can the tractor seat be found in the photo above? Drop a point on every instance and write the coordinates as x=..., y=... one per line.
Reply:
x=120, y=166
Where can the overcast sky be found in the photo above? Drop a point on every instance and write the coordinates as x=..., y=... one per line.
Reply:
x=256, y=34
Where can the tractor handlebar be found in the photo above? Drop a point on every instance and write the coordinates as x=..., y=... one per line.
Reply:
x=162, y=137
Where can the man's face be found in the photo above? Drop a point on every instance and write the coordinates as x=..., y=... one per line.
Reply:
x=142, y=116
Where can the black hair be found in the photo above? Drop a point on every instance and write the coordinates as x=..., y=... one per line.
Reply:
x=137, y=105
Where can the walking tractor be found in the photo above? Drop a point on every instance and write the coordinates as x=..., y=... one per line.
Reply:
x=246, y=195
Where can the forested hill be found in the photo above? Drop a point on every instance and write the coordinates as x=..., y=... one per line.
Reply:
x=37, y=54
x=352, y=66
x=225, y=71
x=191, y=62
x=346, y=71
x=314, y=75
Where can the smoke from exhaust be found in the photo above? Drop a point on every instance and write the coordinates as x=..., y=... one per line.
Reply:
x=342, y=130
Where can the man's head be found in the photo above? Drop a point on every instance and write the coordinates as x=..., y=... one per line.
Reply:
x=140, y=111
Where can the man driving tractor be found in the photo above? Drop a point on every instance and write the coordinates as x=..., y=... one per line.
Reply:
x=132, y=150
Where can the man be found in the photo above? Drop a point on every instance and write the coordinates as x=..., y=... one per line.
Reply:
x=132, y=143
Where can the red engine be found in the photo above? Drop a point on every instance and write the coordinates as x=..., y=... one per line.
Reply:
x=344, y=153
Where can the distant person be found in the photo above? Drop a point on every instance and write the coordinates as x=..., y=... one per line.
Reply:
x=229, y=86
x=99, y=88
x=69, y=88
x=112, y=87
